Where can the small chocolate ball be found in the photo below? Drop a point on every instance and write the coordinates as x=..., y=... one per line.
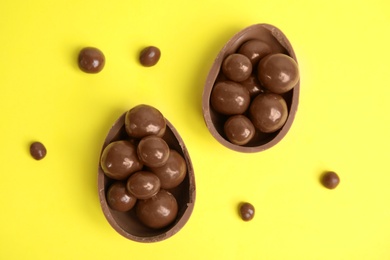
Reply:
x=252, y=84
x=119, y=160
x=118, y=198
x=268, y=112
x=143, y=184
x=144, y=120
x=173, y=172
x=38, y=150
x=230, y=98
x=247, y=211
x=278, y=73
x=149, y=56
x=239, y=129
x=91, y=60
x=255, y=50
x=330, y=180
x=237, y=67
x=158, y=211
x=153, y=151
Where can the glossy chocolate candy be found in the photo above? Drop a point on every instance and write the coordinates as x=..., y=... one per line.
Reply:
x=239, y=129
x=149, y=56
x=158, y=211
x=247, y=211
x=153, y=151
x=215, y=121
x=237, y=67
x=230, y=98
x=255, y=50
x=118, y=198
x=144, y=120
x=38, y=150
x=91, y=60
x=119, y=160
x=127, y=223
x=330, y=180
x=143, y=184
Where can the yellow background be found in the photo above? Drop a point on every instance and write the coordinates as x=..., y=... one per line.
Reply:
x=50, y=208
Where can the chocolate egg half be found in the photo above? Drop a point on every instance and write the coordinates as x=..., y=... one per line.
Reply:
x=127, y=223
x=266, y=34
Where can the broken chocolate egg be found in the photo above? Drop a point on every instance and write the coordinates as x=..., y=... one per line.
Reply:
x=128, y=224
x=258, y=40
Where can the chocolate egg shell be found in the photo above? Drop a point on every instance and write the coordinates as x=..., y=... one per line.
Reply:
x=126, y=223
x=215, y=121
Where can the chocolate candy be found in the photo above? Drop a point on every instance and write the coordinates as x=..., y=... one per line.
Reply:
x=91, y=60
x=330, y=180
x=143, y=184
x=278, y=73
x=153, y=151
x=150, y=56
x=237, y=67
x=230, y=98
x=37, y=150
x=173, y=172
x=255, y=50
x=268, y=112
x=128, y=224
x=144, y=120
x=257, y=42
x=252, y=84
x=247, y=211
x=119, y=160
x=158, y=211
x=118, y=198
x=239, y=129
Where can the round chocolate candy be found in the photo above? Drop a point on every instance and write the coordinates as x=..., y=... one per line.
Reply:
x=144, y=120
x=237, y=67
x=278, y=73
x=91, y=60
x=173, y=172
x=268, y=112
x=330, y=180
x=143, y=184
x=118, y=198
x=37, y=150
x=153, y=151
x=119, y=160
x=230, y=98
x=255, y=50
x=247, y=211
x=158, y=211
x=149, y=56
x=239, y=129
x=252, y=84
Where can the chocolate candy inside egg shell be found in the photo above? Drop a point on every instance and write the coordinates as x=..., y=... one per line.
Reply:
x=237, y=67
x=128, y=223
x=255, y=50
x=153, y=151
x=119, y=198
x=215, y=118
x=230, y=98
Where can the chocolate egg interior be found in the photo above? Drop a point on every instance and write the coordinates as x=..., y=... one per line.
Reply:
x=215, y=121
x=127, y=223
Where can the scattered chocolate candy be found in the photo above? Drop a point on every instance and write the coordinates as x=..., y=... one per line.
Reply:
x=158, y=211
x=150, y=56
x=173, y=172
x=239, y=129
x=91, y=60
x=143, y=184
x=255, y=50
x=153, y=151
x=330, y=180
x=274, y=71
x=268, y=112
x=119, y=160
x=37, y=150
x=247, y=211
x=144, y=120
x=118, y=198
x=230, y=98
x=278, y=73
x=237, y=67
